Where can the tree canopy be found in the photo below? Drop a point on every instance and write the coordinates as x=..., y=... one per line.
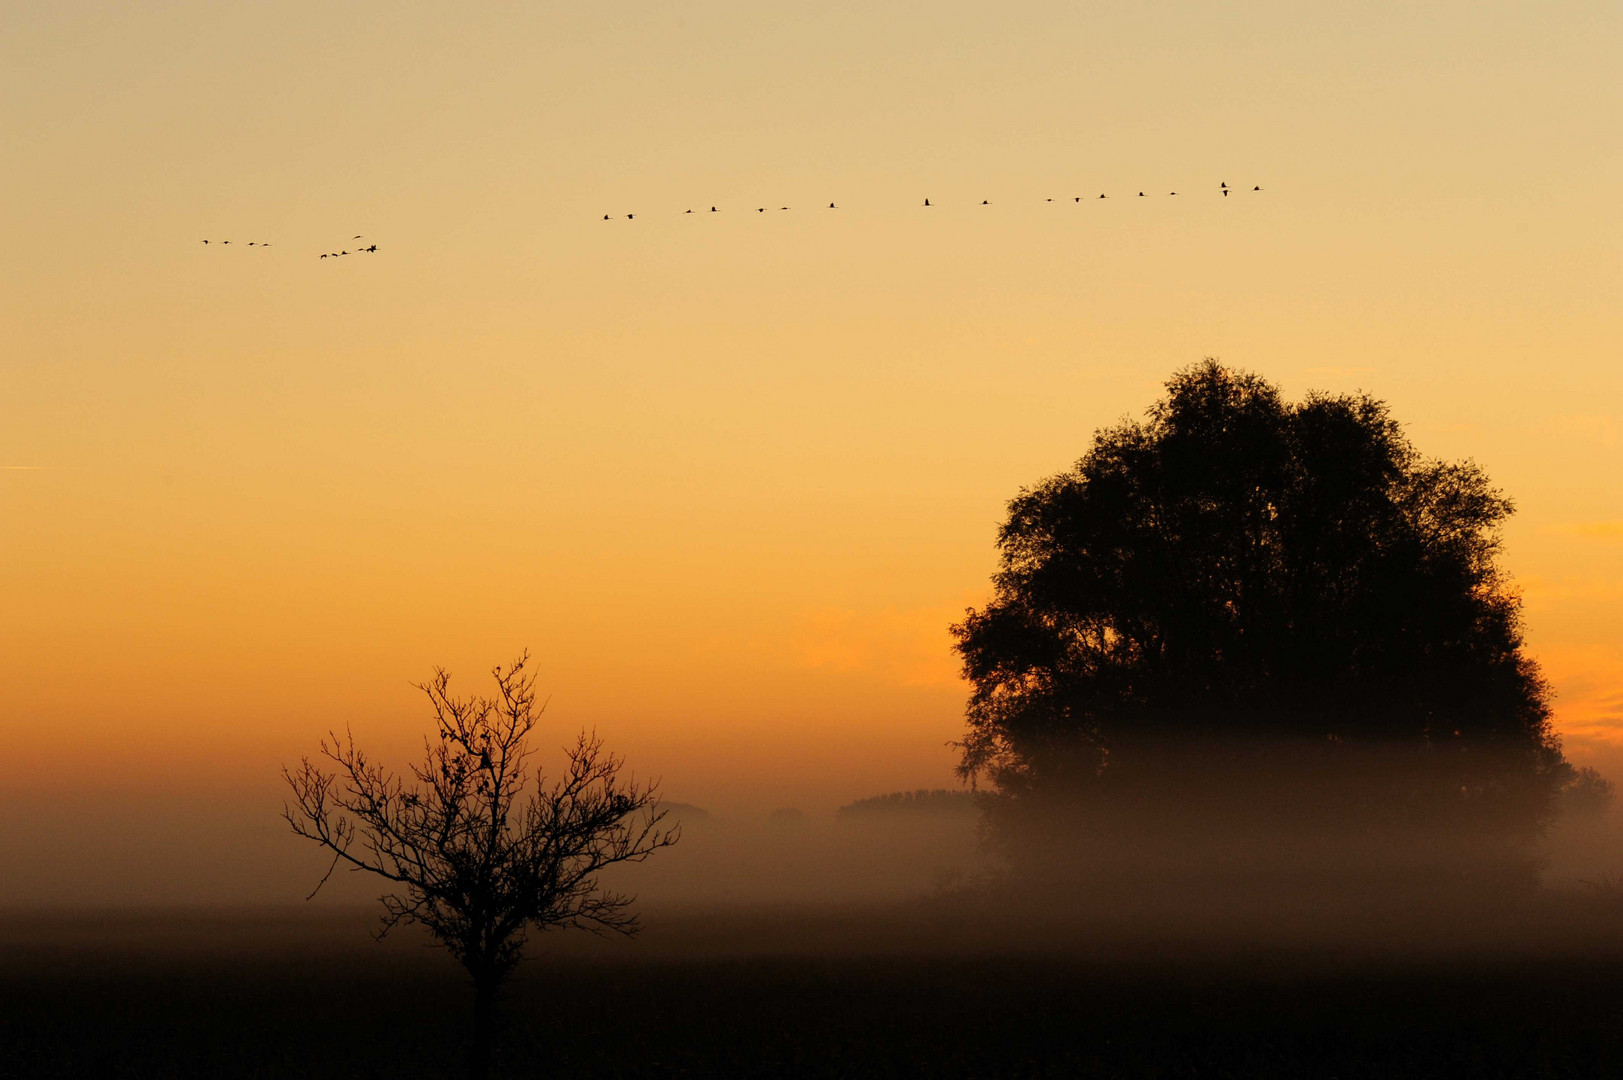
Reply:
x=1239, y=567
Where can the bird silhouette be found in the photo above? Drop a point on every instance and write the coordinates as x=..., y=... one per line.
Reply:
x=1222, y=186
x=374, y=247
x=323, y=254
x=250, y=243
x=343, y=253
x=357, y=236
x=205, y=241
x=225, y=241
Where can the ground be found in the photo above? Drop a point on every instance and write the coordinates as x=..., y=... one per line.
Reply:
x=271, y=994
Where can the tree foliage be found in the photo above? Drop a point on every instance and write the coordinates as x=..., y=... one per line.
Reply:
x=1238, y=568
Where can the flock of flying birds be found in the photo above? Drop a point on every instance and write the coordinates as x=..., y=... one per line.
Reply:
x=1222, y=186
x=368, y=249
x=372, y=248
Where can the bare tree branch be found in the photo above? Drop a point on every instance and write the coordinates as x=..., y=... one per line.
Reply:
x=481, y=848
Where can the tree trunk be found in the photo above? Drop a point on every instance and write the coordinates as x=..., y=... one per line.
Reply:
x=483, y=1035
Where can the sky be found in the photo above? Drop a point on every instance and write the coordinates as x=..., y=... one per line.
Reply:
x=727, y=476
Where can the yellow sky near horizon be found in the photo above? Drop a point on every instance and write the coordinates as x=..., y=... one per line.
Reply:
x=730, y=476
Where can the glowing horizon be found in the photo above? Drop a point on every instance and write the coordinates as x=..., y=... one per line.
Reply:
x=730, y=484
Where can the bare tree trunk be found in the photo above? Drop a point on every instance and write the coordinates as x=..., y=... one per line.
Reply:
x=483, y=1035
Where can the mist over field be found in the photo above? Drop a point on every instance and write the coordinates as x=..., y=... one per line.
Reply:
x=1167, y=874
x=888, y=938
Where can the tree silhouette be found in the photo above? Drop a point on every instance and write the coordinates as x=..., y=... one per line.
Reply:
x=1236, y=573
x=479, y=850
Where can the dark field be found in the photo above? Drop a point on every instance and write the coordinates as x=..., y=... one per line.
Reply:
x=880, y=993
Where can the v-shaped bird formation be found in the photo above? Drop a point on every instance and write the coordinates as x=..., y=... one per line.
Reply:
x=1222, y=188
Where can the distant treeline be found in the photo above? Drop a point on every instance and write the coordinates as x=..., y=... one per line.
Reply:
x=1588, y=792
x=684, y=810
x=939, y=801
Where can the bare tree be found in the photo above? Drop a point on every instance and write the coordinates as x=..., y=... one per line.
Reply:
x=480, y=849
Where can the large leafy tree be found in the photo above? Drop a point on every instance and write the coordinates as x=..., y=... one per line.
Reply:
x=1242, y=572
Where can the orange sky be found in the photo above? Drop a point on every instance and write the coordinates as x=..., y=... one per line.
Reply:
x=729, y=476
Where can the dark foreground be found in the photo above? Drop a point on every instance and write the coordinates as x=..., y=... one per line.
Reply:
x=270, y=995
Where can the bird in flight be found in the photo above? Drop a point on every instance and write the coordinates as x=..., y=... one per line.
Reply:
x=1222, y=186
x=374, y=247
x=205, y=241
x=357, y=236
